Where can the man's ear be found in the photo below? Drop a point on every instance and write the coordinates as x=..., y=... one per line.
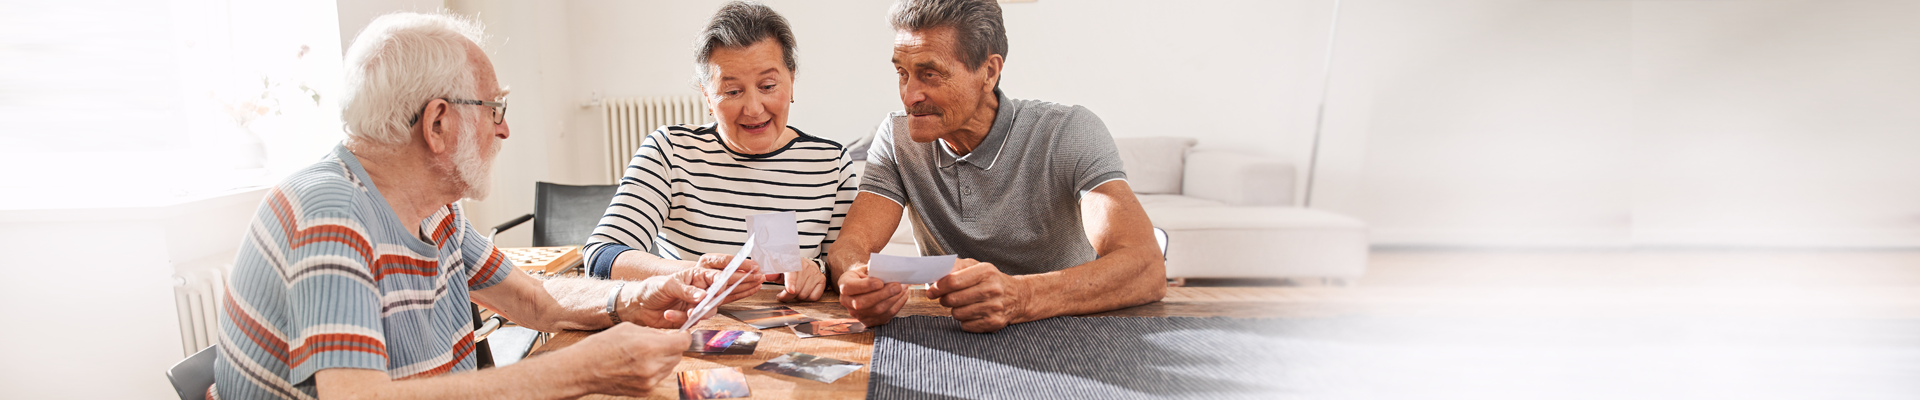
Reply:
x=435, y=129
x=991, y=69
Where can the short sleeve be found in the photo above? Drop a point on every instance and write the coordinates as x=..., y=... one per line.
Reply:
x=883, y=168
x=1098, y=158
x=485, y=264
x=332, y=299
x=842, y=201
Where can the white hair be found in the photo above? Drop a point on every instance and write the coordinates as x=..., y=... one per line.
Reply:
x=397, y=65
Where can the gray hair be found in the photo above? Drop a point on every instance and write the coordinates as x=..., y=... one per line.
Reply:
x=397, y=65
x=737, y=25
x=976, y=25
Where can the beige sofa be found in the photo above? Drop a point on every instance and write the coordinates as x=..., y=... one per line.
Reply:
x=1226, y=215
x=1231, y=215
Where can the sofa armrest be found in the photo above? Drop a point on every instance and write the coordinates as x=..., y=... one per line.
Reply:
x=1238, y=179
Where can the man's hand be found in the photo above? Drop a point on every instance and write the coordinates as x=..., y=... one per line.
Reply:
x=982, y=298
x=659, y=302
x=870, y=299
x=628, y=360
x=803, y=285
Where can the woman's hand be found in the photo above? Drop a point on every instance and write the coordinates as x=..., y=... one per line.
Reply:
x=804, y=285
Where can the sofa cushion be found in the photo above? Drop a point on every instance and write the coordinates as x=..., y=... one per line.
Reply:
x=1238, y=179
x=1154, y=165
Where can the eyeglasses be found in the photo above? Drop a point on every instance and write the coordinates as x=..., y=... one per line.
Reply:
x=499, y=109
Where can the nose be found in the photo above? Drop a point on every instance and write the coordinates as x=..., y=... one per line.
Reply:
x=755, y=107
x=911, y=93
x=500, y=130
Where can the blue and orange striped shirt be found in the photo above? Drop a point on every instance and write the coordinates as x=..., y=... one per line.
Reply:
x=328, y=277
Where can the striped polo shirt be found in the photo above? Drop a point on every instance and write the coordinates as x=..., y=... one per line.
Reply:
x=328, y=277
x=686, y=194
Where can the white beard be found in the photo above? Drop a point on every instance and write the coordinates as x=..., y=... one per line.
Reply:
x=472, y=166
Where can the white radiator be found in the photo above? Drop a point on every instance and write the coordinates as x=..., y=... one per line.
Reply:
x=629, y=120
x=198, y=299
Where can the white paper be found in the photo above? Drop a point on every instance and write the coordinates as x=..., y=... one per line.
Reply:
x=779, y=242
x=909, y=270
x=713, y=289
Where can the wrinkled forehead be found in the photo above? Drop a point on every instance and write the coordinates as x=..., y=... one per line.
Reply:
x=930, y=44
x=762, y=58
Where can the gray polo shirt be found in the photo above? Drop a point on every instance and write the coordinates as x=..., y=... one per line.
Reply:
x=1015, y=200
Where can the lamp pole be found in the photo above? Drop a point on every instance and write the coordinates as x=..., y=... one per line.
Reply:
x=1320, y=115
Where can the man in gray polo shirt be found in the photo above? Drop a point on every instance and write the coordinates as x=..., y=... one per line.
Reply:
x=1030, y=193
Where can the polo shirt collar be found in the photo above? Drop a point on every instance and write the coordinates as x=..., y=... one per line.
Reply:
x=988, y=152
x=358, y=174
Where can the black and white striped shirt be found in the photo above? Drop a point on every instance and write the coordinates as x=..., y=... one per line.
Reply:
x=686, y=194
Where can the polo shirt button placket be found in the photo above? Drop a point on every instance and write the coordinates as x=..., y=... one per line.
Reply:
x=966, y=192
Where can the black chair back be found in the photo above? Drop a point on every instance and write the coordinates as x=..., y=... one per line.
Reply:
x=567, y=214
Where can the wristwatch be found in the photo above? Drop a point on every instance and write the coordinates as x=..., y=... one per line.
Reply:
x=613, y=302
x=825, y=273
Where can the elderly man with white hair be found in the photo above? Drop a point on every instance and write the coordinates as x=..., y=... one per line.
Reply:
x=354, y=278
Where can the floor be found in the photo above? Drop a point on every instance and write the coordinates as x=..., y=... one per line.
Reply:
x=1836, y=284
x=1604, y=324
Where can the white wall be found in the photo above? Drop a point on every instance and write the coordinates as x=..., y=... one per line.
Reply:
x=1777, y=123
x=1481, y=122
x=1592, y=123
x=1472, y=122
x=528, y=43
x=89, y=291
x=1241, y=75
x=624, y=48
x=1146, y=68
x=1234, y=74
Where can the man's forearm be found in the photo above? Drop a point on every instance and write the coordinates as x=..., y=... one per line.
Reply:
x=869, y=224
x=534, y=378
x=548, y=306
x=843, y=256
x=581, y=303
x=1120, y=280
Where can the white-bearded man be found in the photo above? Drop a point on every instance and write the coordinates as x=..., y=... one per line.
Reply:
x=355, y=276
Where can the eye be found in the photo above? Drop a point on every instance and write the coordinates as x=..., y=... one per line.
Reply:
x=767, y=87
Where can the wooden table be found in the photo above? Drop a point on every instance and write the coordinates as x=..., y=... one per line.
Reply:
x=774, y=342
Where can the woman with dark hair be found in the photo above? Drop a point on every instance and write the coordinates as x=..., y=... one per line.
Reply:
x=688, y=189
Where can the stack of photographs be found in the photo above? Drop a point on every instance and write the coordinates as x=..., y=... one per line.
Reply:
x=763, y=318
x=808, y=366
x=708, y=341
x=717, y=383
x=844, y=326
